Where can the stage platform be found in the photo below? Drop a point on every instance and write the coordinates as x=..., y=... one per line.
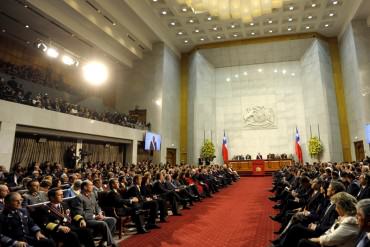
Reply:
x=258, y=167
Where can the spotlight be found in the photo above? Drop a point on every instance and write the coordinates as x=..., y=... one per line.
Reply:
x=95, y=73
x=53, y=53
x=42, y=46
x=68, y=60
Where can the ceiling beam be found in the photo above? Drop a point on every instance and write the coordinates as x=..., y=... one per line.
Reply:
x=80, y=26
x=142, y=9
x=104, y=25
x=127, y=19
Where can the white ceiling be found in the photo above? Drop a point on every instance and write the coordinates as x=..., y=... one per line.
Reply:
x=291, y=50
x=121, y=31
x=306, y=16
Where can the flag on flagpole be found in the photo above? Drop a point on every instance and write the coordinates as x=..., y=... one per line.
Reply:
x=298, y=150
x=225, y=152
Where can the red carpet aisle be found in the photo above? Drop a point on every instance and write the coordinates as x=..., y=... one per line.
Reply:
x=236, y=216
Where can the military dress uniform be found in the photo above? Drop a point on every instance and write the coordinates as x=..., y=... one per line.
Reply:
x=54, y=216
x=17, y=225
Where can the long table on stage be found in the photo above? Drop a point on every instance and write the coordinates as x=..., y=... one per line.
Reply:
x=258, y=167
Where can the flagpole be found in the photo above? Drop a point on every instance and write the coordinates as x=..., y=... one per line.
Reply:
x=318, y=130
x=310, y=131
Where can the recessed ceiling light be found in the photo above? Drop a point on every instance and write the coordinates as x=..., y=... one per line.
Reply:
x=331, y=14
x=236, y=76
x=196, y=30
x=235, y=35
x=290, y=19
x=180, y=33
x=270, y=21
x=114, y=24
x=164, y=12
x=26, y=26
x=270, y=31
x=335, y=2
x=292, y=74
x=191, y=21
x=201, y=39
x=186, y=41
x=173, y=23
x=228, y=79
x=214, y=28
x=275, y=70
x=260, y=70
x=3, y=30
x=209, y=18
x=289, y=29
x=245, y=73
x=326, y=25
x=309, y=17
x=184, y=9
x=251, y=24
x=313, y=5
x=26, y=6
x=218, y=37
x=232, y=26
x=253, y=33
x=155, y=0
x=308, y=27
x=291, y=8
x=284, y=71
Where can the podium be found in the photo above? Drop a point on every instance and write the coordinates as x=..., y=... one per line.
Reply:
x=258, y=167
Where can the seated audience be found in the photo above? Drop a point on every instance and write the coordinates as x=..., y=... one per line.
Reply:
x=344, y=231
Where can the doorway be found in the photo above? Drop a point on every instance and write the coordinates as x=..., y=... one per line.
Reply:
x=171, y=156
x=359, y=150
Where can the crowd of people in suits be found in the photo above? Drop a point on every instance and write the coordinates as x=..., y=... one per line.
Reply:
x=48, y=204
x=14, y=92
x=322, y=204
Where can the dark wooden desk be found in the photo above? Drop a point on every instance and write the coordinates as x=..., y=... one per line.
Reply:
x=245, y=167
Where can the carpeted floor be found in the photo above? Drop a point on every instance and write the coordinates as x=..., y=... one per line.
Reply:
x=236, y=216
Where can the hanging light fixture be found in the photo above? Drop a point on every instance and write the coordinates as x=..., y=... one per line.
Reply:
x=245, y=10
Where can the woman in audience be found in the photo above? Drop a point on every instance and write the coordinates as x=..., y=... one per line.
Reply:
x=344, y=231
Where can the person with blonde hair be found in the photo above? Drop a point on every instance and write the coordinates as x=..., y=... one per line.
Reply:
x=344, y=231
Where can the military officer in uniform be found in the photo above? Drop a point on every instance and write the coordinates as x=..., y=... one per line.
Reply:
x=17, y=228
x=57, y=221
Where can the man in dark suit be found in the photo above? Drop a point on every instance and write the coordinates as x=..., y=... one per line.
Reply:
x=57, y=221
x=153, y=144
x=16, y=226
x=127, y=205
x=259, y=156
x=363, y=219
x=353, y=184
x=85, y=205
x=145, y=203
x=365, y=186
x=171, y=196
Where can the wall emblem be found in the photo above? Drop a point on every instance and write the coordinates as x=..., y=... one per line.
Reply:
x=259, y=117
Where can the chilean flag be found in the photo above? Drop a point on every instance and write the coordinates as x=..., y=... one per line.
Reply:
x=225, y=152
x=298, y=150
